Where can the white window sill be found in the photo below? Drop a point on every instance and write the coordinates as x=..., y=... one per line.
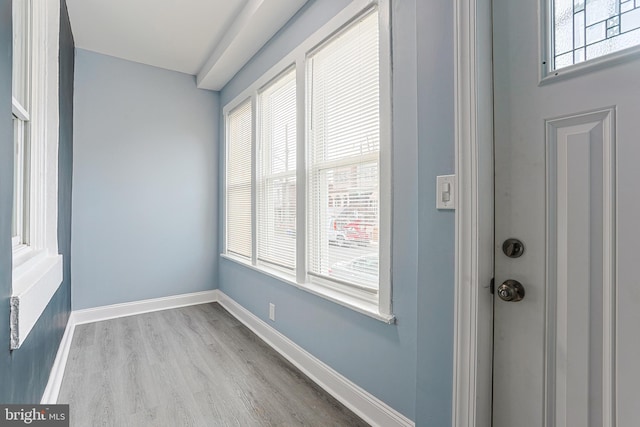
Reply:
x=35, y=280
x=324, y=291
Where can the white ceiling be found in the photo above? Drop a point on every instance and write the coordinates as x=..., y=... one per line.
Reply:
x=211, y=39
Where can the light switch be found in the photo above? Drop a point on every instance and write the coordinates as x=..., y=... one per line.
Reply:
x=445, y=197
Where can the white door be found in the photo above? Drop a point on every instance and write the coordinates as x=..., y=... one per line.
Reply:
x=567, y=176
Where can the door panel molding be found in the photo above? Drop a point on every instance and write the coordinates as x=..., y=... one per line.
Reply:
x=580, y=301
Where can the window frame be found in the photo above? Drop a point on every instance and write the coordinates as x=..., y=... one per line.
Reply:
x=381, y=308
x=36, y=264
x=20, y=106
x=251, y=256
x=261, y=178
x=19, y=239
x=546, y=42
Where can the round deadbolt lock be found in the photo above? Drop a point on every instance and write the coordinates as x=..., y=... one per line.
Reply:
x=511, y=291
x=513, y=248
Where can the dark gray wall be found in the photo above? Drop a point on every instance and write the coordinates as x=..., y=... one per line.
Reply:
x=145, y=172
x=24, y=372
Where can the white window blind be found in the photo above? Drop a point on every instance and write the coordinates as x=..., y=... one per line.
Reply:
x=276, y=193
x=344, y=145
x=238, y=182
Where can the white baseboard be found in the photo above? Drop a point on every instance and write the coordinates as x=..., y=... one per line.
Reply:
x=50, y=395
x=368, y=407
x=365, y=405
x=114, y=311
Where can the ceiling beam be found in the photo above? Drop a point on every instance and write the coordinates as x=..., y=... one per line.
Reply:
x=258, y=21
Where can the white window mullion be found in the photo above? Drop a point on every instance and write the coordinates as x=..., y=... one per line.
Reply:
x=385, y=167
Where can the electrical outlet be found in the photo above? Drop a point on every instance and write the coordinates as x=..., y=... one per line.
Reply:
x=272, y=311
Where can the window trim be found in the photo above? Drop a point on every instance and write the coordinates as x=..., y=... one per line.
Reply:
x=547, y=75
x=37, y=267
x=382, y=310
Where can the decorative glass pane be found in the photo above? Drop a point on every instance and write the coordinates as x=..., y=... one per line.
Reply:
x=612, y=32
x=564, y=26
x=595, y=33
x=578, y=29
x=588, y=29
x=600, y=10
x=564, y=60
x=614, y=44
x=631, y=20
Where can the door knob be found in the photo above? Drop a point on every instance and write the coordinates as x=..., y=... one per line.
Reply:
x=511, y=291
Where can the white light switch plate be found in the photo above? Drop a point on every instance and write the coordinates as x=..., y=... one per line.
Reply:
x=446, y=192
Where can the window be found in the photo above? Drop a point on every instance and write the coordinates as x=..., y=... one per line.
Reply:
x=37, y=266
x=20, y=106
x=239, y=125
x=276, y=207
x=324, y=227
x=344, y=149
x=588, y=29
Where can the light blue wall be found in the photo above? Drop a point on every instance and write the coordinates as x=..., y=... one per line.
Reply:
x=407, y=365
x=436, y=228
x=145, y=183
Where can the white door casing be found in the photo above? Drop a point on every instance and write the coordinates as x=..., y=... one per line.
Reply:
x=566, y=184
x=473, y=305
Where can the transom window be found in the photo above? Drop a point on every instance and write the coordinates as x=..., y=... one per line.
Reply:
x=589, y=29
x=304, y=197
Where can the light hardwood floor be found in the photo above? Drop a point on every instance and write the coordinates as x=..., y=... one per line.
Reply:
x=192, y=366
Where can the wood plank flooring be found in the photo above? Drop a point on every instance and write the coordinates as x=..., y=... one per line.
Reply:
x=192, y=366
